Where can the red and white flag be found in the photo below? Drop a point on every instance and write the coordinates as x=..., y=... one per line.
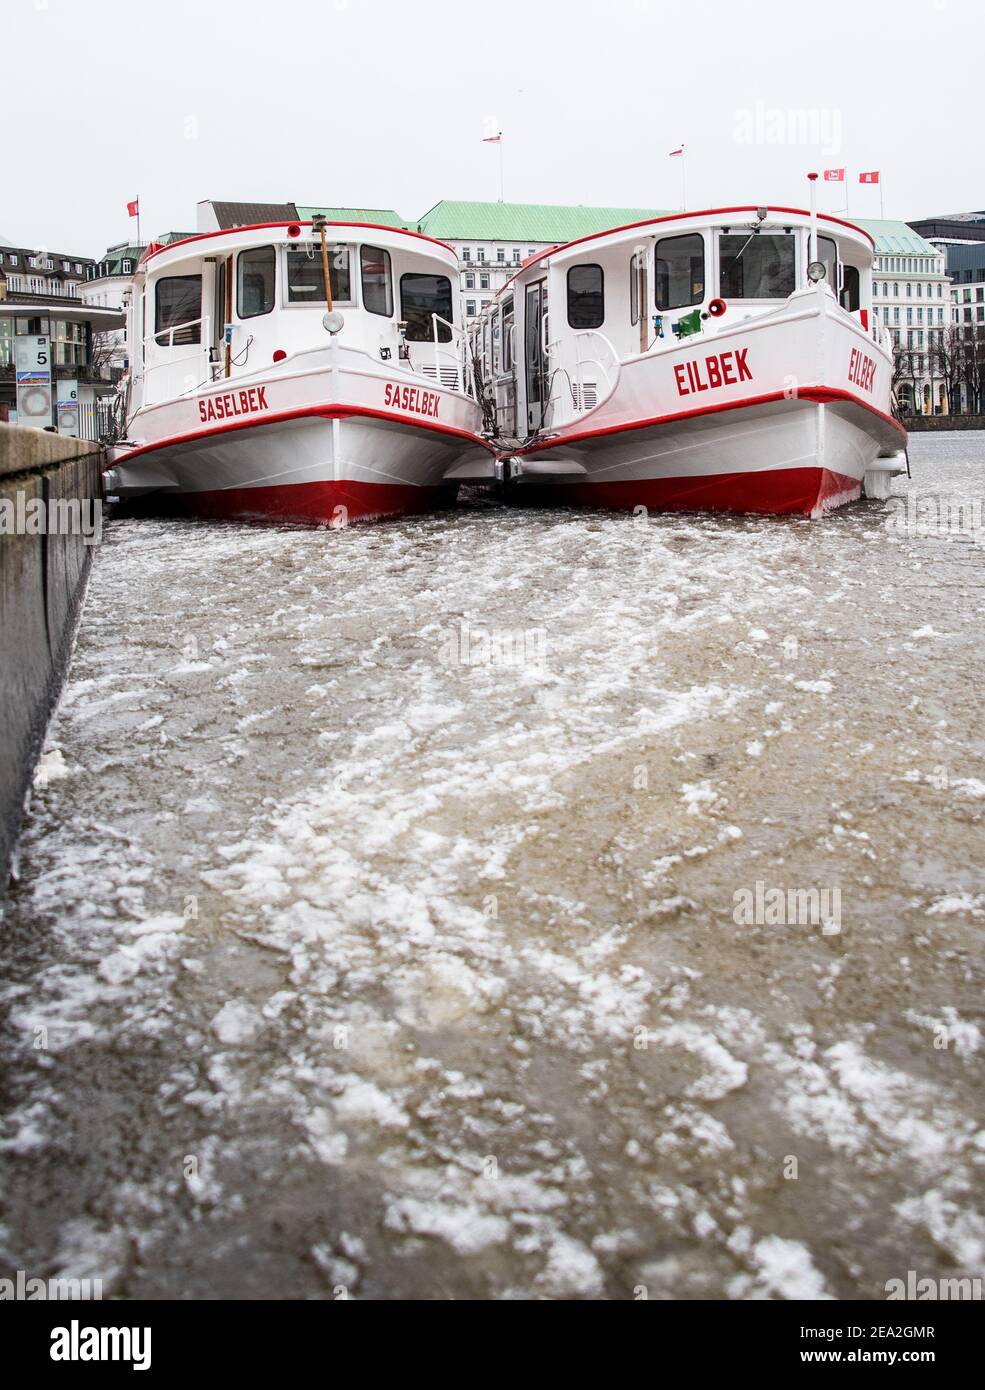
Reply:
x=134, y=208
x=834, y=176
x=673, y=152
x=871, y=177
x=492, y=139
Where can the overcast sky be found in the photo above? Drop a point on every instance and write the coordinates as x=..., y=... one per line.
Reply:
x=383, y=103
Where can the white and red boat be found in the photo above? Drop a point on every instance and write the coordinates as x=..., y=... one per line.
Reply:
x=304, y=372
x=725, y=360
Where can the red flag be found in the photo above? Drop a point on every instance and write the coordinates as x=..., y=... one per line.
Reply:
x=871, y=177
x=492, y=139
x=834, y=176
x=673, y=152
x=134, y=208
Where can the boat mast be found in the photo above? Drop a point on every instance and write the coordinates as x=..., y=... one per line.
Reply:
x=318, y=223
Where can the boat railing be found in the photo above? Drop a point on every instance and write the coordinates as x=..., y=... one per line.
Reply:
x=452, y=363
x=589, y=364
x=200, y=351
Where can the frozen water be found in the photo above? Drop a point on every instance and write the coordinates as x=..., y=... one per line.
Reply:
x=376, y=928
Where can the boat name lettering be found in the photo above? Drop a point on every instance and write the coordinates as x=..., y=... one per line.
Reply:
x=720, y=369
x=232, y=403
x=861, y=370
x=411, y=398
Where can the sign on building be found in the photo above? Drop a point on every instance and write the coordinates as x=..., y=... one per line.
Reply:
x=32, y=365
x=68, y=407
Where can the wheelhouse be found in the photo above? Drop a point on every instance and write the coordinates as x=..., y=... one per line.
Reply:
x=231, y=304
x=549, y=347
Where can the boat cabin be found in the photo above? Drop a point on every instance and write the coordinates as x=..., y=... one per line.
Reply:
x=238, y=302
x=549, y=346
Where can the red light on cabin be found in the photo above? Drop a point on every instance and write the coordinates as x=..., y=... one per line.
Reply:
x=717, y=307
x=294, y=230
x=279, y=355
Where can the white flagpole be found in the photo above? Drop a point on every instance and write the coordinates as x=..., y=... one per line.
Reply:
x=813, y=183
x=500, y=166
x=881, y=213
x=683, y=184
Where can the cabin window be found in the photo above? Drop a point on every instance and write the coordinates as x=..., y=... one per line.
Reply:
x=679, y=278
x=756, y=265
x=508, y=336
x=851, y=293
x=305, y=278
x=255, y=282
x=586, y=296
x=420, y=297
x=177, y=301
x=374, y=268
x=827, y=252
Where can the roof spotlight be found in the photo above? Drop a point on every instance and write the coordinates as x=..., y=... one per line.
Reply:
x=816, y=271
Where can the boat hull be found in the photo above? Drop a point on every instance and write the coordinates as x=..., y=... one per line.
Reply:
x=799, y=457
x=320, y=467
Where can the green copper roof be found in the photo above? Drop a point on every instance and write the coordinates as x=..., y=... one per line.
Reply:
x=518, y=222
x=894, y=238
x=381, y=217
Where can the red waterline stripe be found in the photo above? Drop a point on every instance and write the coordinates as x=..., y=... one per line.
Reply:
x=777, y=492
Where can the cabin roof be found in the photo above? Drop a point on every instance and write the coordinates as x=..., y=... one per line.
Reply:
x=532, y=222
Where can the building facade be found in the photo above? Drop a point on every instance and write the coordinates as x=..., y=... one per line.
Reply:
x=41, y=296
x=960, y=237
x=106, y=286
x=911, y=297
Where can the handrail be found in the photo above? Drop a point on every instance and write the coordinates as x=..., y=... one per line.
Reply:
x=609, y=378
x=457, y=353
x=175, y=327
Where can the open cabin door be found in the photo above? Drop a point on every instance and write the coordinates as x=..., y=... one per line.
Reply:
x=535, y=315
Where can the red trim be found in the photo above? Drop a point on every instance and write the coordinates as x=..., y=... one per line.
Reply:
x=325, y=412
x=774, y=492
x=680, y=217
x=826, y=395
x=265, y=226
x=313, y=503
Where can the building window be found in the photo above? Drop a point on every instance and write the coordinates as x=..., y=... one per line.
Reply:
x=127, y=267
x=178, y=301
x=481, y=253
x=470, y=282
x=421, y=296
x=680, y=271
x=377, y=285
x=255, y=282
x=470, y=308
x=484, y=281
x=500, y=255
x=896, y=289
x=306, y=281
x=586, y=296
x=466, y=253
x=516, y=255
